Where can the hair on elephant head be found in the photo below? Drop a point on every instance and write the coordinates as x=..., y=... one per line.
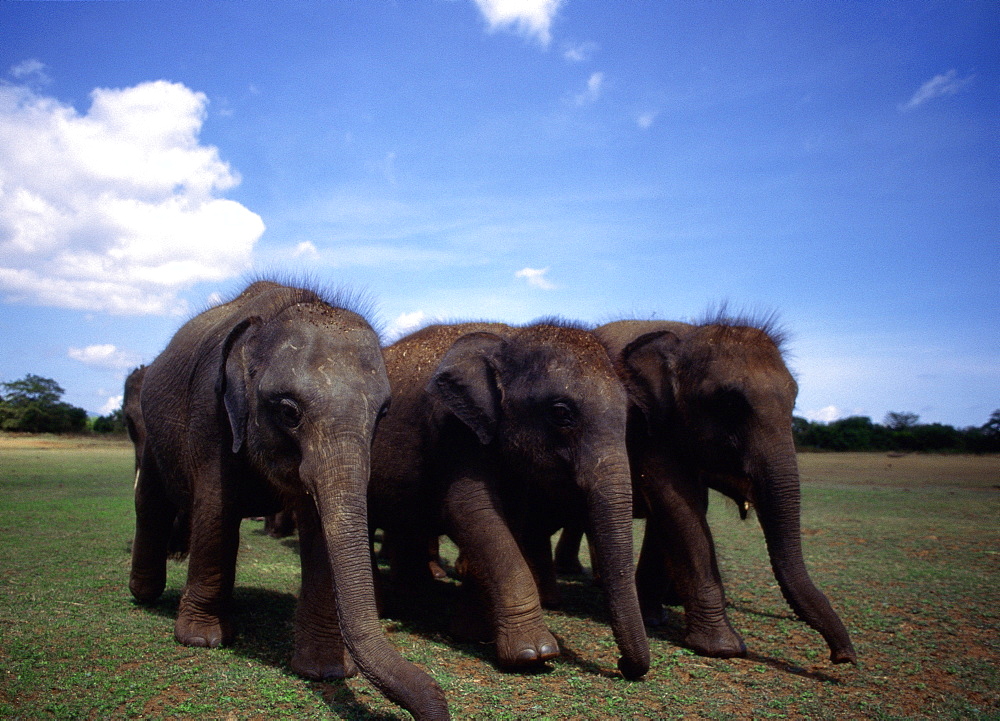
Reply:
x=270, y=401
x=499, y=434
x=713, y=408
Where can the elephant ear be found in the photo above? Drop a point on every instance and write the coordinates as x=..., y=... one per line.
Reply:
x=650, y=364
x=233, y=382
x=466, y=382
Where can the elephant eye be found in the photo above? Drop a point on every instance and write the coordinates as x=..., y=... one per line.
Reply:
x=287, y=412
x=562, y=414
x=729, y=404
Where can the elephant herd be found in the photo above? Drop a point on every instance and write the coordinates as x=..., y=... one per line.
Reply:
x=496, y=436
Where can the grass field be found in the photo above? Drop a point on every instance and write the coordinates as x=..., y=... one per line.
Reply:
x=907, y=549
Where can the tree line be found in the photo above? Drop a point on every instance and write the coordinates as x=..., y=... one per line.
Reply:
x=34, y=404
x=900, y=432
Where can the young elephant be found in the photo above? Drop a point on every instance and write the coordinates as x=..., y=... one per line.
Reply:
x=499, y=435
x=712, y=408
x=271, y=398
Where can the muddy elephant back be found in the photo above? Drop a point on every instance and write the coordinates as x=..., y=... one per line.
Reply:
x=618, y=334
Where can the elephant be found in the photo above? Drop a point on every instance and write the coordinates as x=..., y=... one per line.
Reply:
x=496, y=436
x=134, y=426
x=712, y=408
x=269, y=401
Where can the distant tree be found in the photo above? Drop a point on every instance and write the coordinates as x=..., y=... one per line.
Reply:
x=900, y=421
x=114, y=422
x=992, y=426
x=33, y=405
x=32, y=389
x=900, y=432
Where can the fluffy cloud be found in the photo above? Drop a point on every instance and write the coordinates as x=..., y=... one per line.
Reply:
x=113, y=403
x=947, y=84
x=115, y=210
x=105, y=356
x=536, y=278
x=405, y=323
x=824, y=415
x=528, y=17
x=305, y=248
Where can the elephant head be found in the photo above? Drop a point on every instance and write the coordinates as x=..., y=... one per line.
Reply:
x=546, y=400
x=721, y=394
x=302, y=392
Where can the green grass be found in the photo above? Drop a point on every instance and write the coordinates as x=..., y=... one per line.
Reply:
x=907, y=549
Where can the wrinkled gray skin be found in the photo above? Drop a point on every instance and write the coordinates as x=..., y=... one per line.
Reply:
x=271, y=399
x=712, y=408
x=498, y=436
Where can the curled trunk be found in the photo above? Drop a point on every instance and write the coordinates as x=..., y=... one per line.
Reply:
x=610, y=510
x=337, y=475
x=777, y=497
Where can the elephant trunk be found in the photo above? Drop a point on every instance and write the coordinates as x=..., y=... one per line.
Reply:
x=777, y=498
x=337, y=475
x=609, y=502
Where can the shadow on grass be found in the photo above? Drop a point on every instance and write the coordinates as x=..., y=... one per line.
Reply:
x=792, y=669
x=264, y=621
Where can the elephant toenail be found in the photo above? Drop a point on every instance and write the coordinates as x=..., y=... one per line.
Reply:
x=548, y=650
x=527, y=655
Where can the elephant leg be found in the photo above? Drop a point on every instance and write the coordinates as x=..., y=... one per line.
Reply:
x=320, y=652
x=677, y=510
x=495, y=561
x=203, y=616
x=652, y=576
x=538, y=551
x=568, y=551
x=154, y=519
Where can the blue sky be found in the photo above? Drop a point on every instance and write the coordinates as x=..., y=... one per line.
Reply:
x=834, y=162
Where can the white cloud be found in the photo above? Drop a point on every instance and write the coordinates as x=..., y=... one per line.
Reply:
x=105, y=355
x=404, y=323
x=528, y=17
x=829, y=414
x=823, y=415
x=111, y=404
x=30, y=71
x=947, y=84
x=115, y=210
x=579, y=52
x=595, y=84
x=536, y=278
x=646, y=120
x=305, y=248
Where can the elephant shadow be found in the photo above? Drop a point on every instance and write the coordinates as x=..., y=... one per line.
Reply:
x=264, y=621
x=582, y=598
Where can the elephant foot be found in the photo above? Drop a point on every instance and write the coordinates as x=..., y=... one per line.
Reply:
x=525, y=647
x=437, y=569
x=197, y=628
x=205, y=635
x=322, y=665
x=146, y=588
x=716, y=641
